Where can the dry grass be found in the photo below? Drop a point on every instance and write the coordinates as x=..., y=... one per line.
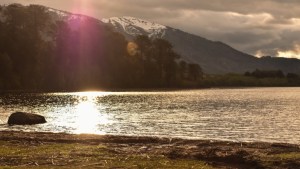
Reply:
x=65, y=155
x=49, y=150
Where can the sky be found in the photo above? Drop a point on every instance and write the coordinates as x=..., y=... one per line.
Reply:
x=256, y=27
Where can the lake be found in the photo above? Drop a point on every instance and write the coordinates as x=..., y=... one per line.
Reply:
x=250, y=114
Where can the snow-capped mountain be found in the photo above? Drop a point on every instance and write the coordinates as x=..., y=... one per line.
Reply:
x=132, y=27
x=213, y=57
x=194, y=49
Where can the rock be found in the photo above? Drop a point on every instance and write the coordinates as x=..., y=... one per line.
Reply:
x=21, y=118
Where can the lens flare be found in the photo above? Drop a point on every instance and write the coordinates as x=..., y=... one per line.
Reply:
x=84, y=7
x=132, y=48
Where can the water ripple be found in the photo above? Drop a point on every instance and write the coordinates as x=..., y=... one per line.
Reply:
x=256, y=114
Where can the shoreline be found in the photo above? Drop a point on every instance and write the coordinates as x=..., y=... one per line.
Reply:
x=212, y=154
x=171, y=89
x=73, y=137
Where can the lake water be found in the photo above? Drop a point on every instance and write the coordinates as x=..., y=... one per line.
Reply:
x=254, y=114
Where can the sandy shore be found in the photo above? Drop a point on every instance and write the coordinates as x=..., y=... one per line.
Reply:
x=209, y=154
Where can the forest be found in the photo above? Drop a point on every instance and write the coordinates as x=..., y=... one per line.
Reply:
x=42, y=52
x=39, y=52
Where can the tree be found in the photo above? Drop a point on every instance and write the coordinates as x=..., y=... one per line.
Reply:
x=195, y=72
x=8, y=79
x=39, y=54
x=6, y=66
x=292, y=76
x=268, y=74
x=165, y=58
x=144, y=46
x=183, y=69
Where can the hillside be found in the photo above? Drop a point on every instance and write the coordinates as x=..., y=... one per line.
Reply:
x=213, y=57
x=47, y=49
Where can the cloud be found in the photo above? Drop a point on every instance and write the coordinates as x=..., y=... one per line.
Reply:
x=268, y=27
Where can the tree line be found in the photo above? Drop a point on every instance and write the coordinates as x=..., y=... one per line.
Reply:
x=271, y=74
x=39, y=52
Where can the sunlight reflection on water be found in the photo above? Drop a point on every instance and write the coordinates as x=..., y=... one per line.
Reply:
x=87, y=115
x=256, y=114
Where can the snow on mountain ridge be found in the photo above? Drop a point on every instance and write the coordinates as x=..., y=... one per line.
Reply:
x=63, y=15
x=58, y=12
x=134, y=26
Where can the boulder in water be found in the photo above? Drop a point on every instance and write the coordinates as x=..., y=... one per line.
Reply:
x=21, y=118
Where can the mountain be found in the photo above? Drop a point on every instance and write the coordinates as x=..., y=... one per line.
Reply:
x=214, y=57
x=45, y=49
x=132, y=27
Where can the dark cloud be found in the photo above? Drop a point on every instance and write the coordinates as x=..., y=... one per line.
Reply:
x=258, y=26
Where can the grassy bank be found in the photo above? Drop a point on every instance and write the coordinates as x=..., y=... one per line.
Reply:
x=66, y=155
x=48, y=150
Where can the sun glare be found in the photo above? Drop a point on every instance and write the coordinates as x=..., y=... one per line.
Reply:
x=88, y=113
x=91, y=94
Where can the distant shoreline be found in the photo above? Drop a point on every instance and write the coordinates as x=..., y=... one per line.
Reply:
x=143, y=89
